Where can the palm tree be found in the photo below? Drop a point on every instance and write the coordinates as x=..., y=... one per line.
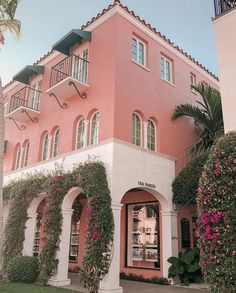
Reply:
x=7, y=23
x=207, y=117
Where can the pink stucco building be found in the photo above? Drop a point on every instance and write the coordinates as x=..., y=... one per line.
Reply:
x=108, y=90
x=225, y=31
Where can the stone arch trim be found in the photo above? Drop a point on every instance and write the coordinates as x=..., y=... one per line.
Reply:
x=70, y=198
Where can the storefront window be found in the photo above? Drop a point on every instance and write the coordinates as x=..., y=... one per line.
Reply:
x=143, y=239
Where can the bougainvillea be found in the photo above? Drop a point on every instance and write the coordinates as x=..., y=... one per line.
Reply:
x=91, y=177
x=217, y=216
x=99, y=239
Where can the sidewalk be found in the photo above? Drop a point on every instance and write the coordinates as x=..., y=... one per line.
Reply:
x=138, y=287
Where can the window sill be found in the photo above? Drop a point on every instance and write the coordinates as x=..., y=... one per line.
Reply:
x=142, y=66
x=168, y=82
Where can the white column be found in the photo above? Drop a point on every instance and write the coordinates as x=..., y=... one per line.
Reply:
x=169, y=238
x=29, y=235
x=111, y=282
x=86, y=124
x=60, y=278
x=145, y=132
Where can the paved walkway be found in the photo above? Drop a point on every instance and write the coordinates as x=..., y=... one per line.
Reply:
x=137, y=287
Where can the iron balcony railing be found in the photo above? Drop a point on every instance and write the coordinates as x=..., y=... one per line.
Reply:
x=26, y=97
x=72, y=66
x=222, y=6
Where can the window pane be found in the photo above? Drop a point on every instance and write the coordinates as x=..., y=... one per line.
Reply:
x=45, y=147
x=26, y=155
x=80, y=134
x=151, y=136
x=134, y=49
x=18, y=155
x=143, y=248
x=168, y=75
x=55, y=143
x=162, y=68
x=136, y=130
x=141, y=53
x=94, y=128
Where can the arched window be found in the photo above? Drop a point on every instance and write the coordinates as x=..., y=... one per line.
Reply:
x=26, y=154
x=94, y=128
x=151, y=135
x=45, y=147
x=18, y=157
x=136, y=130
x=55, y=144
x=80, y=128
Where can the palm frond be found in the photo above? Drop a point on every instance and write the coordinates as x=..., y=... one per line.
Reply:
x=11, y=25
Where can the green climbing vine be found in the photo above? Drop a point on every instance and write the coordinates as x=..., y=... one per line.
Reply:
x=91, y=177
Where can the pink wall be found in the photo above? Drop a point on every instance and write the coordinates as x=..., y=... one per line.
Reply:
x=225, y=31
x=118, y=87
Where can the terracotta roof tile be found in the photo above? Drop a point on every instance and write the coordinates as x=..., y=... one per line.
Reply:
x=132, y=13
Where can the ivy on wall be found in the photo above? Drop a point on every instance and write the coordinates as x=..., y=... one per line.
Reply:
x=19, y=195
x=91, y=177
x=186, y=183
x=217, y=216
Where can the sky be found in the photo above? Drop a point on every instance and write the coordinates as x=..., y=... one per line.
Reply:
x=186, y=22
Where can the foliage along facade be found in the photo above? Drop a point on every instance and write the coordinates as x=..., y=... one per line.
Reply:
x=107, y=92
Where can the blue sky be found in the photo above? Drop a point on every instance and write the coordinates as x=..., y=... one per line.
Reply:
x=186, y=22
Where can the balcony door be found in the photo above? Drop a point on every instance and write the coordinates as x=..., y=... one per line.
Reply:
x=34, y=93
x=80, y=66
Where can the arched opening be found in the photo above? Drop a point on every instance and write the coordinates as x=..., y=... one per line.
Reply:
x=39, y=239
x=141, y=233
x=78, y=233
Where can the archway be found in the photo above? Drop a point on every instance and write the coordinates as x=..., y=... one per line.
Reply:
x=30, y=225
x=61, y=278
x=148, y=233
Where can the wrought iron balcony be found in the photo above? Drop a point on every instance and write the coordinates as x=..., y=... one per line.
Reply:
x=69, y=78
x=223, y=6
x=24, y=105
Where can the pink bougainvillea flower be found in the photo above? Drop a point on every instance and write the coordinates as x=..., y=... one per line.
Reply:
x=217, y=172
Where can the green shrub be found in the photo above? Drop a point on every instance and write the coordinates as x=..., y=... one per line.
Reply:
x=217, y=216
x=186, y=183
x=23, y=269
x=140, y=278
x=186, y=266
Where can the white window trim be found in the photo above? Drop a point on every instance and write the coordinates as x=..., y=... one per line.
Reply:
x=57, y=130
x=171, y=70
x=48, y=147
x=141, y=130
x=195, y=82
x=137, y=52
x=91, y=124
x=155, y=149
x=76, y=139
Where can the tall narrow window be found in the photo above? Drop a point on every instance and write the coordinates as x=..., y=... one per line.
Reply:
x=26, y=154
x=45, y=148
x=94, y=128
x=55, y=142
x=18, y=157
x=138, y=51
x=136, y=130
x=192, y=80
x=166, y=69
x=185, y=233
x=80, y=133
x=151, y=136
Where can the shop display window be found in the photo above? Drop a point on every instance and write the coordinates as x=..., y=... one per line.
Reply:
x=143, y=237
